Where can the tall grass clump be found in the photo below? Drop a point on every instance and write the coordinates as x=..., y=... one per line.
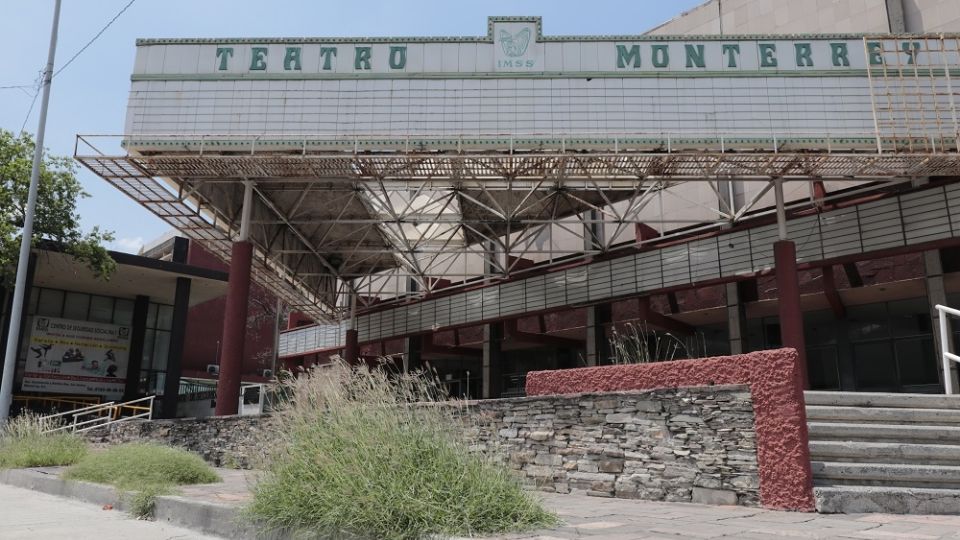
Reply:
x=363, y=453
x=638, y=344
x=24, y=442
x=143, y=469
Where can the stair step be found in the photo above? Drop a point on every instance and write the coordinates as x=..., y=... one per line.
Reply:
x=887, y=500
x=886, y=474
x=882, y=399
x=885, y=452
x=883, y=433
x=883, y=415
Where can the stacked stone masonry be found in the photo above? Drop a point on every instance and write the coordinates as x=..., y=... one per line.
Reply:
x=681, y=444
x=689, y=444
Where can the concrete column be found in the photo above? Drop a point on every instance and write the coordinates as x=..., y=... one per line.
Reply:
x=413, y=353
x=137, y=337
x=736, y=320
x=492, y=362
x=171, y=382
x=598, y=347
x=351, y=349
x=234, y=329
x=788, y=293
x=937, y=294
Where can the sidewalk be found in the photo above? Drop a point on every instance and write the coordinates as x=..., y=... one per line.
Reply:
x=584, y=517
x=30, y=515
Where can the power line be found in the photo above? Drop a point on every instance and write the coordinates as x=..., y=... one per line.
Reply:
x=36, y=92
x=89, y=43
x=36, y=86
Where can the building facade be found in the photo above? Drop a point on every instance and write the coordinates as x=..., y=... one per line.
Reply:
x=498, y=204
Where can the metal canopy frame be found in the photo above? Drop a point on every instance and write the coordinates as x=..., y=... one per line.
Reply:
x=389, y=221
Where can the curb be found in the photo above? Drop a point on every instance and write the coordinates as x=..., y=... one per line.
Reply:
x=203, y=517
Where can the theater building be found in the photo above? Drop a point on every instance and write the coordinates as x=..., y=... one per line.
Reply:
x=500, y=203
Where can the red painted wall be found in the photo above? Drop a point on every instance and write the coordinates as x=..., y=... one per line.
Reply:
x=205, y=326
x=780, y=419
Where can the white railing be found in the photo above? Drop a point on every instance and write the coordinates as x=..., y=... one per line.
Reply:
x=946, y=343
x=104, y=414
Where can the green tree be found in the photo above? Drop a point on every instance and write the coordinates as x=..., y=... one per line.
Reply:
x=56, y=220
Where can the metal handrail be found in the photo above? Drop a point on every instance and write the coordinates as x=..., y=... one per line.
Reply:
x=106, y=414
x=946, y=354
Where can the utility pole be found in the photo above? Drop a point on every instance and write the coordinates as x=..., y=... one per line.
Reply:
x=16, y=311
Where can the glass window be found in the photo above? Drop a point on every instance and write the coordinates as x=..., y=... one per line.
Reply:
x=909, y=317
x=34, y=298
x=820, y=328
x=152, y=316
x=161, y=349
x=823, y=368
x=917, y=361
x=123, y=312
x=868, y=321
x=101, y=309
x=51, y=303
x=76, y=306
x=164, y=317
x=148, y=339
x=874, y=366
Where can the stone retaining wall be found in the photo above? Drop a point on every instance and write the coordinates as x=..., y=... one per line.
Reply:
x=689, y=444
x=681, y=444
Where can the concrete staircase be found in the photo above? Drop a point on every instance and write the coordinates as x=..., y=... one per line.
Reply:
x=892, y=453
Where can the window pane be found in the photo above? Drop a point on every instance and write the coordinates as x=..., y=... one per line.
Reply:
x=34, y=298
x=123, y=312
x=101, y=309
x=820, y=328
x=822, y=368
x=148, y=339
x=76, y=306
x=51, y=303
x=161, y=349
x=868, y=321
x=165, y=317
x=152, y=316
x=874, y=366
x=910, y=317
x=917, y=361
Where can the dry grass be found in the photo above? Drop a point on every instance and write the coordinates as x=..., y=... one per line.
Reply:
x=358, y=454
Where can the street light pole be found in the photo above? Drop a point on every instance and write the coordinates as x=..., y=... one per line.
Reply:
x=10, y=358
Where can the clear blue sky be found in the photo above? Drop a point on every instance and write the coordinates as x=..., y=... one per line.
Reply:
x=90, y=95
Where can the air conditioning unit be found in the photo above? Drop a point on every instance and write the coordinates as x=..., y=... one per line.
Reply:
x=267, y=373
x=213, y=369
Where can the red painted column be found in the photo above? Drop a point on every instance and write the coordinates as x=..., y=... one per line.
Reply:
x=788, y=293
x=351, y=350
x=234, y=329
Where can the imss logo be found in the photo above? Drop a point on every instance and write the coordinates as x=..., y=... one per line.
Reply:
x=514, y=46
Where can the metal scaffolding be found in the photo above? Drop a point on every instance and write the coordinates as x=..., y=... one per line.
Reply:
x=336, y=217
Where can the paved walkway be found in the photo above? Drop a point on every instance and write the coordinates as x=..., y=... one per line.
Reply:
x=28, y=514
x=31, y=515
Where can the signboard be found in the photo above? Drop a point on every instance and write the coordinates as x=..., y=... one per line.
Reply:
x=76, y=357
x=517, y=45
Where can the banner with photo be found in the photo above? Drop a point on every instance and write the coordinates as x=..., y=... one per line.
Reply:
x=76, y=357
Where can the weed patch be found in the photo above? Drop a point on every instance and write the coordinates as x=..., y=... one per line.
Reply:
x=23, y=443
x=143, y=470
x=362, y=453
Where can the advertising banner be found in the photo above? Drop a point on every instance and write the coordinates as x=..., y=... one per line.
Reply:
x=76, y=357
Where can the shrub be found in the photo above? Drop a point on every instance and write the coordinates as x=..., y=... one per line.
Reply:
x=357, y=453
x=24, y=443
x=148, y=470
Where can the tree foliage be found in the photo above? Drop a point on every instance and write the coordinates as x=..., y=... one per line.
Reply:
x=57, y=219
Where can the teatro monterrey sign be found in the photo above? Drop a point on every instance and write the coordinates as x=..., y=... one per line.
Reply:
x=516, y=46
